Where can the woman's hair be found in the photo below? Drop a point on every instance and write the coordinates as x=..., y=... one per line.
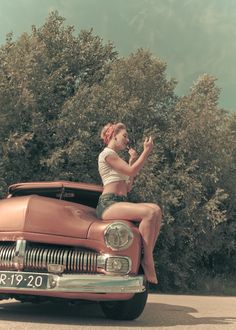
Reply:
x=109, y=130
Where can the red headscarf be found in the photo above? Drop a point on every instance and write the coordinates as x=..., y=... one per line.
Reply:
x=108, y=134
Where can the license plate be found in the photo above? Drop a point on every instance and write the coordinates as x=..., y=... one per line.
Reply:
x=23, y=280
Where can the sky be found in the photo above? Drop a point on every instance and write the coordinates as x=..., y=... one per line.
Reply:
x=193, y=37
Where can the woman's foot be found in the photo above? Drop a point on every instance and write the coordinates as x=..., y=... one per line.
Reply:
x=150, y=272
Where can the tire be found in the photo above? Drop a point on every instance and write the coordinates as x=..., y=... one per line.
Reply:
x=125, y=310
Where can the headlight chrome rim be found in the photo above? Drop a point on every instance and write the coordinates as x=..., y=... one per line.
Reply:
x=118, y=229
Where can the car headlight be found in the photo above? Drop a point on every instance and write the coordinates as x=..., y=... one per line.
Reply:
x=118, y=236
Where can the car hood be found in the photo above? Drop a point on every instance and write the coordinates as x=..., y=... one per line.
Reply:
x=43, y=215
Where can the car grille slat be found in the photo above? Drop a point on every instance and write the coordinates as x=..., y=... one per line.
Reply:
x=38, y=258
x=6, y=255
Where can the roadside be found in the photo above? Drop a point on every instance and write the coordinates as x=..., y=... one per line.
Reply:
x=165, y=312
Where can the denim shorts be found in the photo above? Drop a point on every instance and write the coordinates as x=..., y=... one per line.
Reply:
x=107, y=200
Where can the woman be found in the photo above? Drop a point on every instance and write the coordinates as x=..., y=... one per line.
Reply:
x=117, y=176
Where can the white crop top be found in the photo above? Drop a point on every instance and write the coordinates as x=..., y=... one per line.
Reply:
x=107, y=173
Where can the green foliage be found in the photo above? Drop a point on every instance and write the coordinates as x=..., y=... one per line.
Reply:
x=40, y=74
x=196, y=151
x=56, y=92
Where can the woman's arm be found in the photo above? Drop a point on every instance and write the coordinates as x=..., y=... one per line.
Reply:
x=133, y=156
x=121, y=166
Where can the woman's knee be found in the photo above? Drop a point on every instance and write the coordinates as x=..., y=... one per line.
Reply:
x=157, y=216
x=151, y=213
x=157, y=210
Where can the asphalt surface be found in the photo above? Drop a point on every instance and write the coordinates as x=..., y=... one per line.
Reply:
x=161, y=312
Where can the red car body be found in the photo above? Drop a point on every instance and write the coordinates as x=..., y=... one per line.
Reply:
x=52, y=246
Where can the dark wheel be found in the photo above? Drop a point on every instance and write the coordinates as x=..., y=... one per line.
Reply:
x=125, y=310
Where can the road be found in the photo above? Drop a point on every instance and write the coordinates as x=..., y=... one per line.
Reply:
x=161, y=312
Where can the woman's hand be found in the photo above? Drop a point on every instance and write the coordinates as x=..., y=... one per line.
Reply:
x=148, y=145
x=133, y=155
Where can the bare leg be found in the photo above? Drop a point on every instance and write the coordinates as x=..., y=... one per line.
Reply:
x=148, y=217
x=157, y=228
x=155, y=231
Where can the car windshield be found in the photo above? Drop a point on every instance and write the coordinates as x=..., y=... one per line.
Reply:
x=81, y=196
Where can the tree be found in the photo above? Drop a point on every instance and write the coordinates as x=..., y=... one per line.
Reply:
x=130, y=92
x=40, y=73
x=196, y=149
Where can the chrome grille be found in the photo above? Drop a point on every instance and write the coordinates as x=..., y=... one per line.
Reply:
x=38, y=258
x=7, y=253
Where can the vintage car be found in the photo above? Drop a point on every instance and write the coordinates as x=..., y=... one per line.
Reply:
x=52, y=247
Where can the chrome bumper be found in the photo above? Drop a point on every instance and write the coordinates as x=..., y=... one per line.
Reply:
x=78, y=283
x=96, y=283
